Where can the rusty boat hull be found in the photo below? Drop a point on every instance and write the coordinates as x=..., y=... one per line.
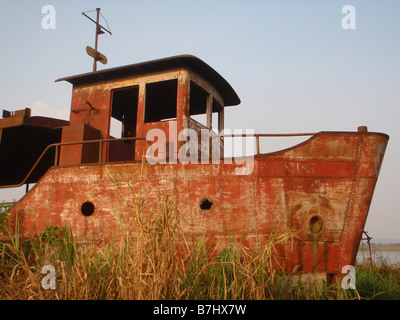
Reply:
x=320, y=190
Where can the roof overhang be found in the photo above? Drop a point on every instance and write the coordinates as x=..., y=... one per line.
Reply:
x=187, y=61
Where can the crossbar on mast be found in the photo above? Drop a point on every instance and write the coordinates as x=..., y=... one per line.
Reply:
x=99, y=31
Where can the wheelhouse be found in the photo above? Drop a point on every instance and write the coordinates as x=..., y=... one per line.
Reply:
x=123, y=104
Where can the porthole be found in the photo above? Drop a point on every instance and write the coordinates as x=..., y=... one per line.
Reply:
x=316, y=224
x=206, y=204
x=87, y=208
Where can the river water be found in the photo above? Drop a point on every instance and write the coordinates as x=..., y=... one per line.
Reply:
x=391, y=257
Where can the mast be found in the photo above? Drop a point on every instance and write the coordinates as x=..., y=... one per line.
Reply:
x=98, y=32
x=97, y=56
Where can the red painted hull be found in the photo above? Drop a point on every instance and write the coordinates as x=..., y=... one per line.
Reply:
x=320, y=189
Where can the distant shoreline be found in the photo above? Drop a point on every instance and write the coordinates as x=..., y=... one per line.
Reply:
x=380, y=247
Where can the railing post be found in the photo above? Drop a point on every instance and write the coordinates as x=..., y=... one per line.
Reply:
x=56, y=155
x=209, y=147
x=100, y=151
x=258, y=144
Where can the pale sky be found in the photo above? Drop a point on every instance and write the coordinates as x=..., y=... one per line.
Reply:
x=291, y=62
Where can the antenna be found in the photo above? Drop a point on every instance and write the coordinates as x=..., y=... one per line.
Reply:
x=96, y=55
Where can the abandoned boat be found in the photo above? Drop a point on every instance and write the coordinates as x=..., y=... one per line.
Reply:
x=321, y=189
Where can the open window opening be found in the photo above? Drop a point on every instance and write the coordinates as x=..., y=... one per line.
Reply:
x=199, y=98
x=116, y=128
x=198, y=103
x=161, y=101
x=123, y=123
x=217, y=119
x=124, y=112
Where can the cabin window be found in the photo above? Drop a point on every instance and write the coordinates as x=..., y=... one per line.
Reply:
x=198, y=103
x=198, y=107
x=124, y=112
x=116, y=128
x=216, y=117
x=123, y=123
x=161, y=101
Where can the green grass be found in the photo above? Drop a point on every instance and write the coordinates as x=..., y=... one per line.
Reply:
x=4, y=211
x=380, y=282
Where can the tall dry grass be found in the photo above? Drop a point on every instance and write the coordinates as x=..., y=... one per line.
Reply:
x=154, y=262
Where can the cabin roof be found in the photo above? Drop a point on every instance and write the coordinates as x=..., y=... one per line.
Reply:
x=191, y=62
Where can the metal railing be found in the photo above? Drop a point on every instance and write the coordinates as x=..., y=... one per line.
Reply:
x=261, y=135
x=57, y=151
x=57, y=147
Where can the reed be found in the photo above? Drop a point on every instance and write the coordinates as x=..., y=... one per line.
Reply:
x=157, y=262
x=378, y=282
